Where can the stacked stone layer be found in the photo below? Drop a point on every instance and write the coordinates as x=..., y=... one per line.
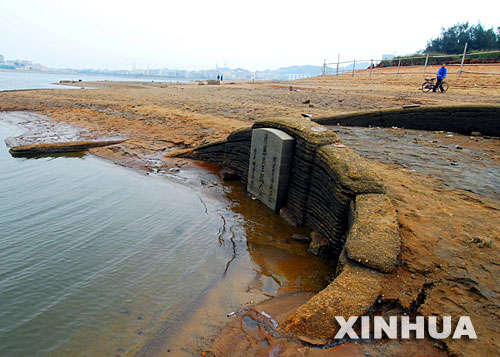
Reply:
x=332, y=190
x=463, y=119
x=323, y=178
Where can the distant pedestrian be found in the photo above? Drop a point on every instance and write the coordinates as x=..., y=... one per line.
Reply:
x=221, y=78
x=441, y=75
x=218, y=77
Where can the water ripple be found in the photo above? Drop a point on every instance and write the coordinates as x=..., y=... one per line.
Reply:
x=85, y=244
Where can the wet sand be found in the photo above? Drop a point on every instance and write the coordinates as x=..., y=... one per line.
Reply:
x=448, y=213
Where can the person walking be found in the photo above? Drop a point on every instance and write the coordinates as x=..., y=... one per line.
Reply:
x=441, y=75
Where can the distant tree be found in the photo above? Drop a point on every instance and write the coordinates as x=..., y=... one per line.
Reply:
x=453, y=39
x=498, y=37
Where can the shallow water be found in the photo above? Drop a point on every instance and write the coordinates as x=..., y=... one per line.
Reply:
x=34, y=80
x=96, y=259
x=94, y=254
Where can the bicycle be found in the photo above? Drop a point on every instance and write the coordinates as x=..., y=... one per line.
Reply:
x=429, y=84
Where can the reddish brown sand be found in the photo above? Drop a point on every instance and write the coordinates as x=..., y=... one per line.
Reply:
x=450, y=236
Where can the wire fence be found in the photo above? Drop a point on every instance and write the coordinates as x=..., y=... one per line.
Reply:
x=418, y=64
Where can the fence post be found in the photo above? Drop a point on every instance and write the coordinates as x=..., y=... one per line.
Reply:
x=353, y=65
x=324, y=66
x=399, y=65
x=463, y=59
x=371, y=67
x=425, y=66
x=338, y=61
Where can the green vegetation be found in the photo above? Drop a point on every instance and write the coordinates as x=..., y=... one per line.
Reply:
x=453, y=39
x=450, y=44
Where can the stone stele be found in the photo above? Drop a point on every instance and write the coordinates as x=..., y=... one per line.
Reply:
x=270, y=156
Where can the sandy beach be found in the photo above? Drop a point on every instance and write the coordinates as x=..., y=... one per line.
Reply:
x=450, y=231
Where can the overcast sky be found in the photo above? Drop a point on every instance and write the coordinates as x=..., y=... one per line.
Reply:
x=254, y=34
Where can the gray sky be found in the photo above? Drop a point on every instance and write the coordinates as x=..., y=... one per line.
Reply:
x=193, y=34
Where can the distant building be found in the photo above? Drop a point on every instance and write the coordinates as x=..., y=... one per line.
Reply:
x=24, y=65
x=293, y=76
x=2, y=60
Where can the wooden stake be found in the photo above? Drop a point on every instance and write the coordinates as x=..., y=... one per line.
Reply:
x=463, y=59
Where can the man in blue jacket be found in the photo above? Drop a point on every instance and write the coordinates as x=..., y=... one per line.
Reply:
x=441, y=74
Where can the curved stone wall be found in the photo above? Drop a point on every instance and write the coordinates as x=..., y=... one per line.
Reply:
x=462, y=119
x=324, y=177
x=336, y=193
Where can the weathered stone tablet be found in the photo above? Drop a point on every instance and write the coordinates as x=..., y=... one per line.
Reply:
x=270, y=156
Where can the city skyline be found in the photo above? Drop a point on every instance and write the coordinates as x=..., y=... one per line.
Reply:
x=287, y=73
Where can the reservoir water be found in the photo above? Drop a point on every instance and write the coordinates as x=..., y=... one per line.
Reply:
x=10, y=80
x=93, y=256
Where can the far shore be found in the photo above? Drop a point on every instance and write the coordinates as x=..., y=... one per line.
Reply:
x=69, y=73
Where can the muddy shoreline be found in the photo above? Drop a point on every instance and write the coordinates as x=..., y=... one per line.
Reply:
x=192, y=331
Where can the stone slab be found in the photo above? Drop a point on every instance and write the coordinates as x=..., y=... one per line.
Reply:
x=373, y=238
x=271, y=152
x=352, y=293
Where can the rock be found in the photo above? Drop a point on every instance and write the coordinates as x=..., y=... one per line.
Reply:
x=319, y=246
x=475, y=133
x=480, y=241
x=288, y=216
x=59, y=147
x=373, y=238
x=301, y=238
x=352, y=293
